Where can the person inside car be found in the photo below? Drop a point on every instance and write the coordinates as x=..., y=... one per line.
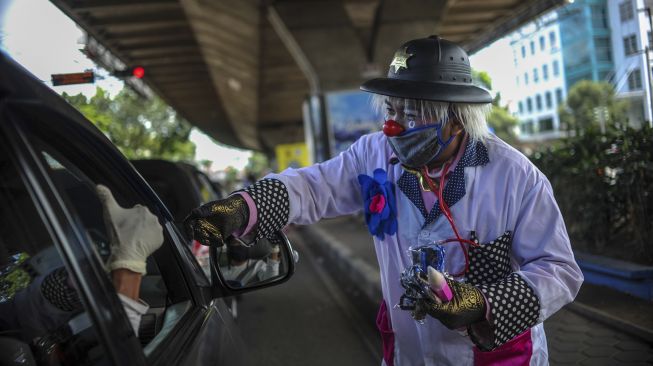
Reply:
x=51, y=299
x=434, y=175
x=243, y=268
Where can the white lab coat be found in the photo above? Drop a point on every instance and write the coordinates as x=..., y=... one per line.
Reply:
x=506, y=193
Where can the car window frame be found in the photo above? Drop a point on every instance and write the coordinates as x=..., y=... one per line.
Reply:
x=89, y=278
x=96, y=291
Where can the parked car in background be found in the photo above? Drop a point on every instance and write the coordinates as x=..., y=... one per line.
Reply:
x=181, y=186
x=51, y=219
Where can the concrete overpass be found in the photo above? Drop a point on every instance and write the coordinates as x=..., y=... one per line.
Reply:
x=240, y=70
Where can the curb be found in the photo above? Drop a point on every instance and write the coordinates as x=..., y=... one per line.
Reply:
x=611, y=321
x=339, y=255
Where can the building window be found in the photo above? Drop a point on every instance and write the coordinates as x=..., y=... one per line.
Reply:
x=527, y=128
x=626, y=11
x=529, y=105
x=542, y=45
x=548, y=100
x=635, y=80
x=599, y=16
x=556, y=68
x=552, y=39
x=523, y=51
x=546, y=124
x=532, y=48
x=525, y=78
x=538, y=102
x=545, y=72
x=559, y=96
x=650, y=39
x=535, y=76
x=630, y=44
x=521, y=107
x=603, y=51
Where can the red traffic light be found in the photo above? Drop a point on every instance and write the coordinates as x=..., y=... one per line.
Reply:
x=138, y=72
x=134, y=71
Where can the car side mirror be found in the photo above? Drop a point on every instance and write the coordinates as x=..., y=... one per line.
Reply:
x=243, y=267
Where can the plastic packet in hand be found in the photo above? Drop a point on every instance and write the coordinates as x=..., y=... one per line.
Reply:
x=414, y=279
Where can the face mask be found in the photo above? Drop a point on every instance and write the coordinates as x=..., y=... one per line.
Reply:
x=419, y=146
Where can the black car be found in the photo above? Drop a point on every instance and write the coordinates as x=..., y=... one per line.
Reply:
x=181, y=186
x=51, y=159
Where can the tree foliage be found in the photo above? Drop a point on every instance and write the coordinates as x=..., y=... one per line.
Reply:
x=602, y=175
x=503, y=123
x=592, y=107
x=140, y=127
x=604, y=187
x=500, y=120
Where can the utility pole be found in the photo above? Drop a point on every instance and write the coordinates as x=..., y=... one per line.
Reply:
x=649, y=78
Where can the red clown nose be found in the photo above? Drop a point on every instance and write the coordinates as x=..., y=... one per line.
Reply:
x=392, y=128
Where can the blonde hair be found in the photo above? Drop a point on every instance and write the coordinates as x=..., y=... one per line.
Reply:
x=473, y=116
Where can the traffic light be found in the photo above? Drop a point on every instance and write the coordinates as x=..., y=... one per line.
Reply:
x=134, y=71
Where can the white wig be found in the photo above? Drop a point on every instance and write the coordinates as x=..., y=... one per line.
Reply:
x=473, y=116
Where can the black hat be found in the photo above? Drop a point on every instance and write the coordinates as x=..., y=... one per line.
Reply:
x=432, y=69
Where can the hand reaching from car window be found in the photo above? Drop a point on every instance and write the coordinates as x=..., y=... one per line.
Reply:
x=135, y=233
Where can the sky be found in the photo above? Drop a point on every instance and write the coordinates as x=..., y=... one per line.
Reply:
x=497, y=60
x=45, y=41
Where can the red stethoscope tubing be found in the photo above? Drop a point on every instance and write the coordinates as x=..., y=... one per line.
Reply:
x=447, y=213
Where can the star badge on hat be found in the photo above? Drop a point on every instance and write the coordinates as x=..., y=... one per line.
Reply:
x=400, y=59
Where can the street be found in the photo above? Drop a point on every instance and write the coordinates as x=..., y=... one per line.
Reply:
x=307, y=320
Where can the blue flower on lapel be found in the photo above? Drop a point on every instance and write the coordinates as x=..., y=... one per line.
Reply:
x=379, y=203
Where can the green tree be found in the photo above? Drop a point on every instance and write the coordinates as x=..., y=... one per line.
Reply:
x=500, y=120
x=140, y=127
x=592, y=107
x=258, y=164
x=482, y=78
x=503, y=123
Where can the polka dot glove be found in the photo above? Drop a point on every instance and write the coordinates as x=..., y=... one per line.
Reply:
x=214, y=222
x=514, y=308
x=465, y=307
x=272, y=206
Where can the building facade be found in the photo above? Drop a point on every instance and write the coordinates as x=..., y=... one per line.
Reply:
x=598, y=40
x=540, y=78
x=631, y=38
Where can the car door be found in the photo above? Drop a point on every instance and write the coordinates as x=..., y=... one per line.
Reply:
x=60, y=158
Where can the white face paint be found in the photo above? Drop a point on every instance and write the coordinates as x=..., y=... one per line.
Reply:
x=407, y=116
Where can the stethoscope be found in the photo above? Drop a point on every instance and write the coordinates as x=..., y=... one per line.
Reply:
x=391, y=129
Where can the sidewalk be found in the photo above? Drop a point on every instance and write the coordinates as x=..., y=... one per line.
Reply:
x=347, y=245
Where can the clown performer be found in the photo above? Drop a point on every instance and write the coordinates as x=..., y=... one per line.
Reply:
x=434, y=175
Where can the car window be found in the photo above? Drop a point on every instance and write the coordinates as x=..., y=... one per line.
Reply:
x=206, y=188
x=162, y=287
x=71, y=160
x=42, y=317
